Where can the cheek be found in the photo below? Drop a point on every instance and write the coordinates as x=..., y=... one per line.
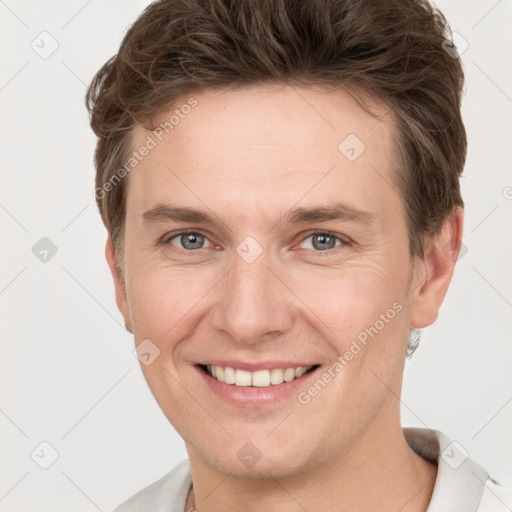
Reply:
x=362, y=313
x=162, y=301
x=352, y=302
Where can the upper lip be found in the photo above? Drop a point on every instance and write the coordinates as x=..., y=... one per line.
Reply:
x=252, y=366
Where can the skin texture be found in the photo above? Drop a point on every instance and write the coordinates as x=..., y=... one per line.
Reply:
x=248, y=157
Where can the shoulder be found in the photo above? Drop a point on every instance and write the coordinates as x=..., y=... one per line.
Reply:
x=495, y=498
x=168, y=494
x=461, y=483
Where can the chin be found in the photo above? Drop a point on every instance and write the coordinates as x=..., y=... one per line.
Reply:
x=261, y=470
x=252, y=460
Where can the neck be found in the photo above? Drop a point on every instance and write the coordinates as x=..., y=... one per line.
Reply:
x=381, y=472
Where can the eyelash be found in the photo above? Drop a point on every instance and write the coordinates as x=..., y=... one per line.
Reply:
x=344, y=240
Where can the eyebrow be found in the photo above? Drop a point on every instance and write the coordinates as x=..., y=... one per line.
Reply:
x=339, y=211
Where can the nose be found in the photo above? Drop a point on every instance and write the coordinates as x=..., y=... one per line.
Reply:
x=255, y=304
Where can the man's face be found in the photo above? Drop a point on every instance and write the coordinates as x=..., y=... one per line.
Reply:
x=259, y=288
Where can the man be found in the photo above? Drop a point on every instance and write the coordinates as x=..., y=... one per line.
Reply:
x=280, y=184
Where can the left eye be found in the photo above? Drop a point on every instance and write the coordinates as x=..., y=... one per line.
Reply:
x=190, y=240
x=323, y=241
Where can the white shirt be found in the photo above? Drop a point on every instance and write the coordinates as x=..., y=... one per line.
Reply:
x=461, y=484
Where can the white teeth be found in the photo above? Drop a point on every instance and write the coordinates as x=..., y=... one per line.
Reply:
x=259, y=378
x=243, y=378
x=229, y=375
x=276, y=376
x=289, y=374
x=300, y=371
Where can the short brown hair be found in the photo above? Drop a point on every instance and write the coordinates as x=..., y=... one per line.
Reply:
x=393, y=50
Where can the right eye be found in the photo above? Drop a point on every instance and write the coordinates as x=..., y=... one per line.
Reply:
x=188, y=240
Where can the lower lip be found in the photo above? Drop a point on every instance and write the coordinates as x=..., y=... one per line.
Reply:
x=251, y=396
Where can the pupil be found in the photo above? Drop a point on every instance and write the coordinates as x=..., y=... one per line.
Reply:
x=324, y=239
x=190, y=239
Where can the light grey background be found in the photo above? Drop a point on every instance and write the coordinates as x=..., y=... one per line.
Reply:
x=69, y=376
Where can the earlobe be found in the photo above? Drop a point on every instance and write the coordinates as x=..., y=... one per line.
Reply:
x=434, y=273
x=119, y=284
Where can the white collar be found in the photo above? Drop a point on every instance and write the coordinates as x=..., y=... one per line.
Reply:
x=460, y=481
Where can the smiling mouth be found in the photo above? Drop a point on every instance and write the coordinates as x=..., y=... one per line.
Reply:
x=258, y=378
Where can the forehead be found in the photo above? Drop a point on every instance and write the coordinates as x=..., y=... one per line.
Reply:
x=279, y=144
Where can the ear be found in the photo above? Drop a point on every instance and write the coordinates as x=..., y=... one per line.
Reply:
x=434, y=273
x=117, y=274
